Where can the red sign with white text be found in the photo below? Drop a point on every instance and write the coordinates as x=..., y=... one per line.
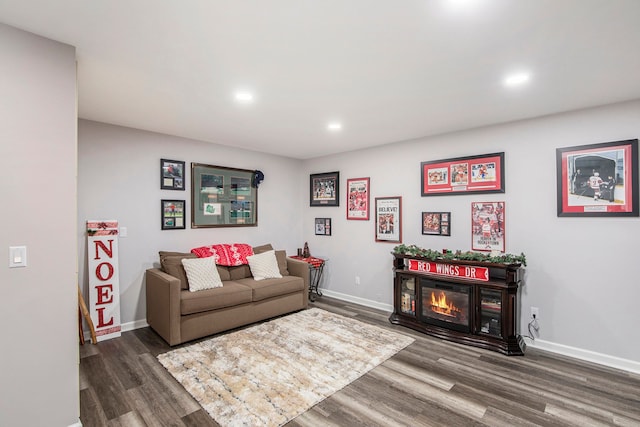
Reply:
x=450, y=270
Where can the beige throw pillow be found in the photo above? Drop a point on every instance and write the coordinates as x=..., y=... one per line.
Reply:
x=202, y=273
x=264, y=266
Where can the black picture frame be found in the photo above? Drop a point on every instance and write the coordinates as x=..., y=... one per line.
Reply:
x=223, y=197
x=172, y=214
x=598, y=180
x=324, y=189
x=436, y=223
x=323, y=226
x=171, y=174
x=479, y=174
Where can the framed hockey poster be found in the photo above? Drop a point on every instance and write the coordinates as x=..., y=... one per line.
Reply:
x=598, y=179
x=487, y=226
x=463, y=175
x=389, y=219
x=358, y=198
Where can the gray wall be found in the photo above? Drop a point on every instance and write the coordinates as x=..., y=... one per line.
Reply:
x=119, y=178
x=38, y=303
x=581, y=273
x=574, y=264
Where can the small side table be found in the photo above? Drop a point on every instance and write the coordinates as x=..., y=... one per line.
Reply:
x=316, y=266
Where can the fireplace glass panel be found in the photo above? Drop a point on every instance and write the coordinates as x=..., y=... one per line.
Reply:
x=490, y=312
x=408, y=295
x=446, y=305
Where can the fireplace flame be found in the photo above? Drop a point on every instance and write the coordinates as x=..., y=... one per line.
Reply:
x=440, y=305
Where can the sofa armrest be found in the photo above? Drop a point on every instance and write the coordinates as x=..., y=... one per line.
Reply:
x=163, y=304
x=300, y=269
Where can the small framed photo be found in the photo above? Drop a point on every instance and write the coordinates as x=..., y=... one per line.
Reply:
x=436, y=223
x=172, y=214
x=358, y=198
x=388, y=219
x=323, y=226
x=171, y=174
x=598, y=179
x=324, y=189
x=487, y=226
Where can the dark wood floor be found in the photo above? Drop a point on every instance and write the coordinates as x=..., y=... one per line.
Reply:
x=430, y=383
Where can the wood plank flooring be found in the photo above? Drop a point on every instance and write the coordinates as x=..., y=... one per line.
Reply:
x=430, y=383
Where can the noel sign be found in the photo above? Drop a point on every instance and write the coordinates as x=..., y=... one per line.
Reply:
x=104, y=284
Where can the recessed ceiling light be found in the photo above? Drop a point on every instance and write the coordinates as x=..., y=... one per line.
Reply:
x=516, y=79
x=244, y=96
x=334, y=126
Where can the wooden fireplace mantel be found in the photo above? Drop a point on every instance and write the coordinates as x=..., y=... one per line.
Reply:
x=493, y=309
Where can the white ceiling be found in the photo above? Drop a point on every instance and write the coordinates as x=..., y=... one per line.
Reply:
x=389, y=70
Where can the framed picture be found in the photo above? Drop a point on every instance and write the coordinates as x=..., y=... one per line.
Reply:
x=598, y=179
x=436, y=223
x=323, y=226
x=358, y=198
x=463, y=175
x=172, y=214
x=388, y=219
x=222, y=197
x=171, y=174
x=487, y=226
x=324, y=189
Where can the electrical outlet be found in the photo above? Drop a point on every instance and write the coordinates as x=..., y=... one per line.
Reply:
x=357, y=280
x=535, y=312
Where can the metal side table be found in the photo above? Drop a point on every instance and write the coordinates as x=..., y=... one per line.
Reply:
x=316, y=266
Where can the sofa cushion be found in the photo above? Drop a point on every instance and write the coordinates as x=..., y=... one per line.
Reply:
x=202, y=274
x=264, y=266
x=171, y=263
x=225, y=254
x=262, y=248
x=229, y=295
x=239, y=272
x=269, y=288
x=280, y=255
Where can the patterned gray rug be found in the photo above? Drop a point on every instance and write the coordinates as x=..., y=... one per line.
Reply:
x=270, y=373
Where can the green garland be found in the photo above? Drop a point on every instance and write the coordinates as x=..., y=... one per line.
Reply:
x=414, y=250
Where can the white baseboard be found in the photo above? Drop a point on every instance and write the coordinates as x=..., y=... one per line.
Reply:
x=78, y=424
x=357, y=300
x=576, y=353
x=587, y=355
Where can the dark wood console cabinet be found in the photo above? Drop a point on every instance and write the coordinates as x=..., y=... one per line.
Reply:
x=480, y=299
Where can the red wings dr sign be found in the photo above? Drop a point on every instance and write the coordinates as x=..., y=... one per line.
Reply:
x=104, y=284
x=450, y=270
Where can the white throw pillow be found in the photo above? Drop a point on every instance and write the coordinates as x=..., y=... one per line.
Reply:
x=264, y=266
x=202, y=273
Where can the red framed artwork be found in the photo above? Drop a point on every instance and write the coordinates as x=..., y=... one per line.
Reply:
x=463, y=175
x=358, y=198
x=598, y=179
x=487, y=226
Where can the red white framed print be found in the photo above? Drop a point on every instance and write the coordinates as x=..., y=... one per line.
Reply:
x=358, y=198
x=389, y=219
x=488, y=226
x=598, y=179
x=463, y=175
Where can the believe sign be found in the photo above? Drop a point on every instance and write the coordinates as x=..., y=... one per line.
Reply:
x=104, y=285
x=450, y=270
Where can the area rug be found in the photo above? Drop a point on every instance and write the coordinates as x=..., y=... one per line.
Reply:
x=270, y=373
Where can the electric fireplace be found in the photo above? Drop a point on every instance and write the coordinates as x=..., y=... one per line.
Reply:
x=446, y=305
x=468, y=302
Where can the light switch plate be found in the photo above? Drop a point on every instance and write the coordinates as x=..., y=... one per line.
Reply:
x=17, y=256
